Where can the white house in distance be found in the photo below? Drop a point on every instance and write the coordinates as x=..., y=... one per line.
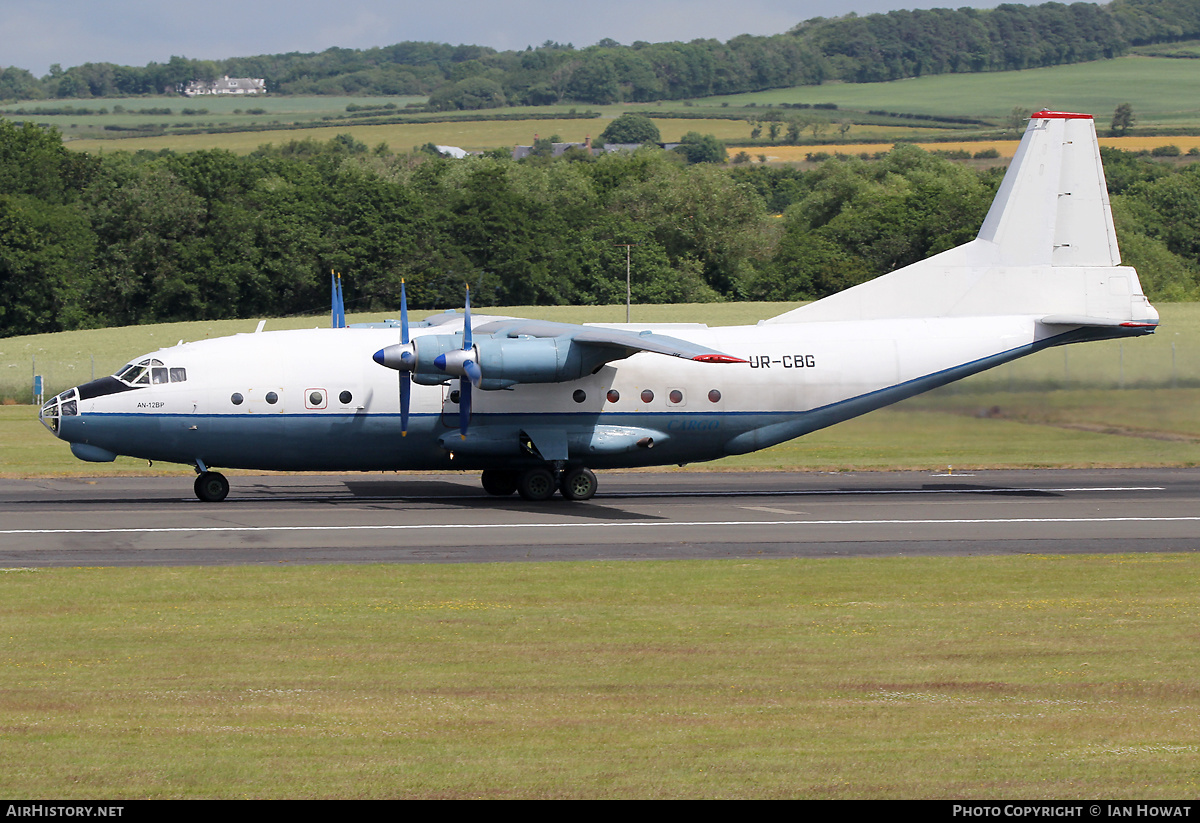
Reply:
x=226, y=85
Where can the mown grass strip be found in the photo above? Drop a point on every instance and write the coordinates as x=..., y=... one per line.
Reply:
x=997, y=677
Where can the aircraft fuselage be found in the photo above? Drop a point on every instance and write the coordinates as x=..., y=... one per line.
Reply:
x=313, y=400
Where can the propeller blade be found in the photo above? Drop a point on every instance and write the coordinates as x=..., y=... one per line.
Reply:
x=408, y=359
x=403, y=314
x=464, y=406
x=467, y=344
x=472, y=372
x=405, y=400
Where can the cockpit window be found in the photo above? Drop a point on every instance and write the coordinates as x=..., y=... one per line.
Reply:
x=150, y=371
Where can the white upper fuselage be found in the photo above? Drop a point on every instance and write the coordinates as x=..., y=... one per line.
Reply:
x=326, y=387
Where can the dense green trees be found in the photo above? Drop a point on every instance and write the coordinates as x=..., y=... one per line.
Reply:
x=701, y=148
x=631, y=127
x=851, y=48
x=856, y=219
x=131, y=238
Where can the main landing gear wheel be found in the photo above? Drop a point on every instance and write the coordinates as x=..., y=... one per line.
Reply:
x=578, y=484
x=211, y=487
x=536, y=484
x=499, y=482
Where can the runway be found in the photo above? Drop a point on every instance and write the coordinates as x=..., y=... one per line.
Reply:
x=448, y=518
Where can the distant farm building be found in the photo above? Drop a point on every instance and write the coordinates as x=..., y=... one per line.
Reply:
x=557, y=149
x=226, y=85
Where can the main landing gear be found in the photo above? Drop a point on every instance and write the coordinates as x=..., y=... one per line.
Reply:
x=540, y=482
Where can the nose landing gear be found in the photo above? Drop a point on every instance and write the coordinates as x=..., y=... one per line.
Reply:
x=210, y=487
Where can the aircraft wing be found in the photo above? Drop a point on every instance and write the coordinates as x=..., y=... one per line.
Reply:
x=614, y=344
x=502, y=352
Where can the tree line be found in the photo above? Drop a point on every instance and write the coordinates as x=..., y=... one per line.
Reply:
x=89, y=241
x=874, y=47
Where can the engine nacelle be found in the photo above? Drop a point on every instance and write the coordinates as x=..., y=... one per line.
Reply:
x=426, y=351
x=506, y=361
x=503, y=361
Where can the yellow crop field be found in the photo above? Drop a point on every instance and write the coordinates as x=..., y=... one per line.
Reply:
x=1184, y=142
x=1006, y=148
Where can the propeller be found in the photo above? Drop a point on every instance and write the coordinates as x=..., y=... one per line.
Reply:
x=409, y=360
x=462, y=363
x=456, y=362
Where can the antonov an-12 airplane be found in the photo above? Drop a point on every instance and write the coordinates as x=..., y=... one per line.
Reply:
x=537, y=406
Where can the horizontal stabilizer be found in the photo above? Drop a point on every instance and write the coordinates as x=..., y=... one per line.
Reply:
x=1099, y=322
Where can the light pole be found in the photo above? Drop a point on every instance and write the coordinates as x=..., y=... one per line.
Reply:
x=628, y=291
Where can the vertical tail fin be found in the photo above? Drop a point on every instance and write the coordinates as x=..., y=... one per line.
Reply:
x=1047, y=248
x=1052, y=208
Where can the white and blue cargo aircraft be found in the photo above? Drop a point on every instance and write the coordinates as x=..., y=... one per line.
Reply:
x=537, y=406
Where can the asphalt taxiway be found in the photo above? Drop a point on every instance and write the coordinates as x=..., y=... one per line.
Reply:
x=448, y=518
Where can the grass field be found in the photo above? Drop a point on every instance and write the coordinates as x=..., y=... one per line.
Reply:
x=1029, y=677
x=472, y=136
x=1162, y=90
x=221, y=110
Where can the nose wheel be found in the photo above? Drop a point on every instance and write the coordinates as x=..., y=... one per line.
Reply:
x=211, y=487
